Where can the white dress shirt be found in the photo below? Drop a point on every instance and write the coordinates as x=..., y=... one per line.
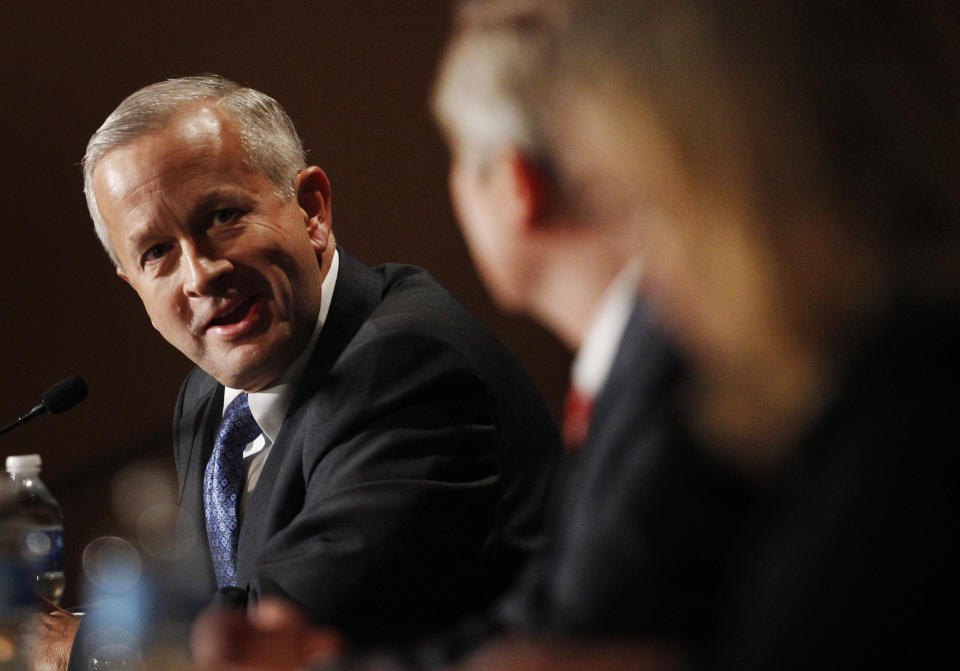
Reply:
x=270, y=405
x=594, y=359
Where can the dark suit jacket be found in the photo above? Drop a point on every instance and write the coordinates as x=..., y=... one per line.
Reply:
x=849, y=559
x=407, y=484
x=845, y=557
x=641, y=526
x=644, y=520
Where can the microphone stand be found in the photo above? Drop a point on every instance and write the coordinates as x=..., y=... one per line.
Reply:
x=37, y=410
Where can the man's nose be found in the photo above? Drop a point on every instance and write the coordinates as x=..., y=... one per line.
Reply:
x=202, y=272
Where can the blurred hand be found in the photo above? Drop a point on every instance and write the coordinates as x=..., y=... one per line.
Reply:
x=273, y=636
x=48, y=639
x=541, y=654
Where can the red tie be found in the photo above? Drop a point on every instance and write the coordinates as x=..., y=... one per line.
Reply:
x=576, y=419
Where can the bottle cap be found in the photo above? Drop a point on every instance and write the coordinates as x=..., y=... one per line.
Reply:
x=24, y=463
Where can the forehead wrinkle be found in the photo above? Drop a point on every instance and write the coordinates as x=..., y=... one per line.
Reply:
x=135, y=172
x=127, y=171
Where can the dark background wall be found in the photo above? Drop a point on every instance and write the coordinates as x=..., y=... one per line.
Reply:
x=353, y=75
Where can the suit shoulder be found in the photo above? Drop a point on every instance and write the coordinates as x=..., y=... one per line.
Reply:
x=419, y=320
x=414, y=302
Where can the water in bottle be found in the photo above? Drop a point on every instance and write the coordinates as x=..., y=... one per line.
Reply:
x=41, y=519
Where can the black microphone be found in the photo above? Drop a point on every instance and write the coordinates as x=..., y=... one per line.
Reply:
x=60, y=397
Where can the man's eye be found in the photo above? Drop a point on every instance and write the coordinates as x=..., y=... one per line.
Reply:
x=225, y=215
x=155, y=253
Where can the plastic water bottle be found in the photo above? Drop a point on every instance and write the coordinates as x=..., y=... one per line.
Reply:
x=42, y=525
x=17, y=601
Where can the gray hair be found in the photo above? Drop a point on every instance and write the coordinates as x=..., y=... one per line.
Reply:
x=267, y=135
x=486, y=92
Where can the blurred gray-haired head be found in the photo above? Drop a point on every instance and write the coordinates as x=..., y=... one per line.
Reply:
x=489, y=85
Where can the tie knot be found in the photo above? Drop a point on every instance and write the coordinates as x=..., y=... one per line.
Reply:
x=238, y=427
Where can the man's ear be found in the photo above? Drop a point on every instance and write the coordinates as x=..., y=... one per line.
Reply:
x=313, y=196
x=122, y=276
x=526, y=187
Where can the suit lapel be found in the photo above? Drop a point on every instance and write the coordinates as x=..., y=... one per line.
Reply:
x=358, y=291
x=206, y=421
x=644, y=371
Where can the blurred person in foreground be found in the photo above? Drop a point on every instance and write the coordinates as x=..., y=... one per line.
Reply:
x=394, y=458
x=798, y=164
x=632, y=524
x=803, y=161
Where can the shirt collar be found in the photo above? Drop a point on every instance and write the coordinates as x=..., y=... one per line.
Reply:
x=269, y=406
x=593, y=361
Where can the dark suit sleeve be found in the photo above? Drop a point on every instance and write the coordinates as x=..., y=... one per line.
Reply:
x=393, y=525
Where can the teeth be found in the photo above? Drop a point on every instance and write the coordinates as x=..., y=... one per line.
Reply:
x=234, y=315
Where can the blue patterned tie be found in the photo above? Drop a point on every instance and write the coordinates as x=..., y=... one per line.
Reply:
x=222, y=481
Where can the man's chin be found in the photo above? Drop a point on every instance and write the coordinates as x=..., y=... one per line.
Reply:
x=247, y=367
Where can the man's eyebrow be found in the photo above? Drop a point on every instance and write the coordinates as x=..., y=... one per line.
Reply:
x=215, y=199
x=140, y=235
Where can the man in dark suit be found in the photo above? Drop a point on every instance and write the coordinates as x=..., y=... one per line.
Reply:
x=382, y=461
x=643, y=511
x=802, y=279
x=400, y=496
x=399, y=457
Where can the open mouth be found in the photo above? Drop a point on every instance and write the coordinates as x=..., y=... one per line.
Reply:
x=235, y=316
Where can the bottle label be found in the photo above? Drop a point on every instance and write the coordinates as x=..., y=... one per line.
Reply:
x=43, y=548
x=15, y=589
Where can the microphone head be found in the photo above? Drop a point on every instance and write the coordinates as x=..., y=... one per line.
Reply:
x=64, y=394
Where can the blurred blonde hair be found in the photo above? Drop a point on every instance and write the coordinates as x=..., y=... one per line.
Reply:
x=846, y=108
